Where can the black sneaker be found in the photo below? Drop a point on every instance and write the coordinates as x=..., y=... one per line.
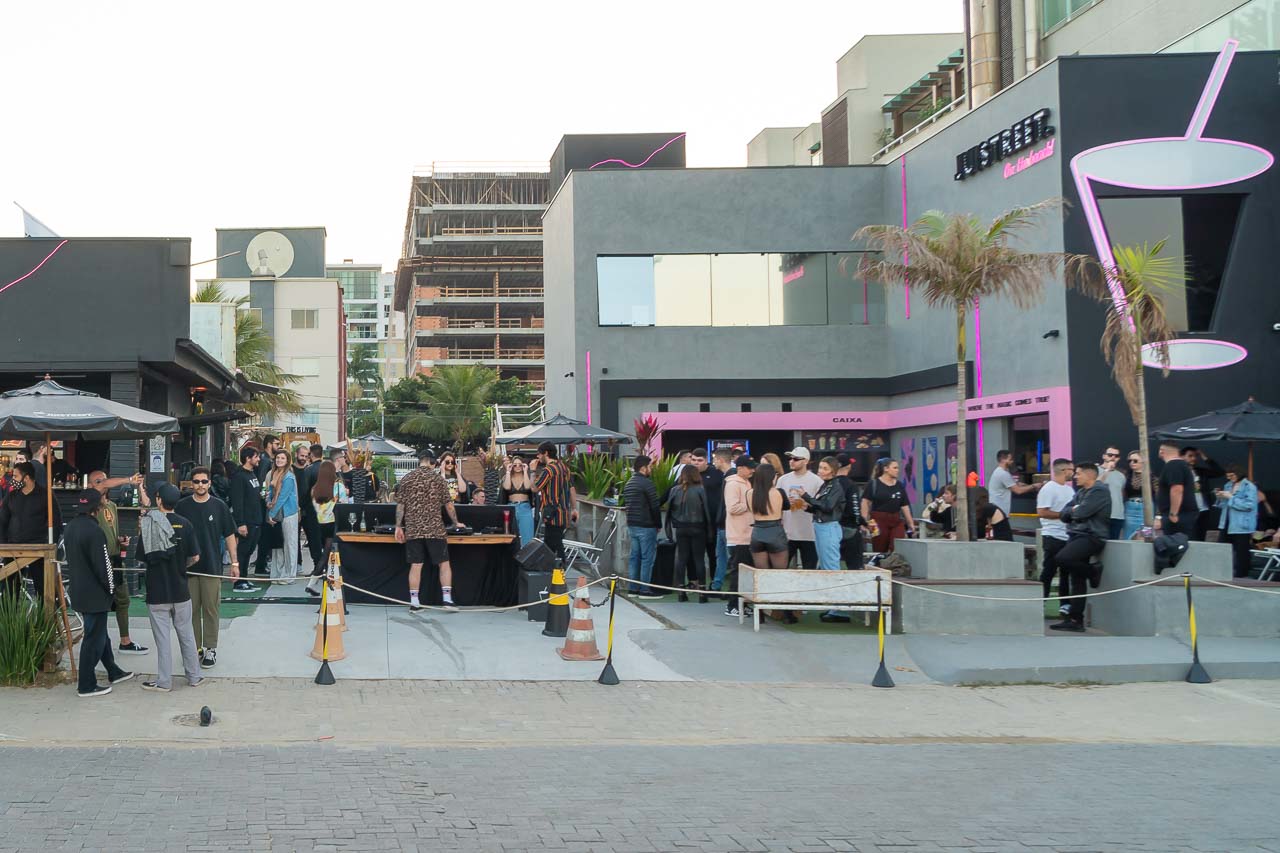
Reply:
x=789, y=617
x=154, y=687
x=833, y=617
x=1068, y=625
x=684, y=596
x=415, y=608
x=98, y=690
x=730, y=610
x=209, y=658
x=651, y=596
x=132, y=649
x=124, y=676
x=1095, y=575
x=243, y=586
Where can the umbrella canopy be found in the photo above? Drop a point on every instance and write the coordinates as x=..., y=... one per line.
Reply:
x=563, y=430
x=376, y=444
x=1248, y=421
x=49, y=410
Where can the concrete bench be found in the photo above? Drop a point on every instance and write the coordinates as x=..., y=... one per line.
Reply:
x=814, y=589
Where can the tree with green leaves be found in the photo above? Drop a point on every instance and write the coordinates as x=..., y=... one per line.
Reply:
x=254, y=346
x=955, y=261
x=362, y=369
x=457, y=406
x=1140, y=323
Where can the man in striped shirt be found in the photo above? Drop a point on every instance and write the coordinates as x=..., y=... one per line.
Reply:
x=554, y=486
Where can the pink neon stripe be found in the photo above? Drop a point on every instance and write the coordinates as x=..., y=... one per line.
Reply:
x=906, y=285
x=35, y=269
x=1212, y=88
x=643, y=162
x=977, y=391
x=588, y=382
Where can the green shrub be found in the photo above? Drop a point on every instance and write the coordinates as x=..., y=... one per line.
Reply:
x=27, y=633
x=594, y=473
x=384, y=470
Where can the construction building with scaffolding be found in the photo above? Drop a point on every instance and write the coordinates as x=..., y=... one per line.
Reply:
x=470, y=274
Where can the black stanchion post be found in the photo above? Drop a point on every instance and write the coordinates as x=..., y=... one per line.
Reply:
x=1197, y=674
x=325, y=675
x=882, y=678
x=608, y=675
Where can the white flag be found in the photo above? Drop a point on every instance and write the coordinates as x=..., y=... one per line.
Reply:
x=32, y=227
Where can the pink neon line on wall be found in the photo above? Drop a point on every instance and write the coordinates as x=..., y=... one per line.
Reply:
x=906, y=286
x=34, y=269
x=646, y=160
x=588, y=384
x=977, y=390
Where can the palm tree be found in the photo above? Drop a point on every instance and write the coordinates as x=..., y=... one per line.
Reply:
x=957, y=261
x=253, y=350
x=1146, y=280
x=457, y=399
x=362, y=369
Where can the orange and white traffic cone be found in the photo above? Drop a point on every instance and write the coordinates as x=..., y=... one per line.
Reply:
x=328, y=644
x=580, y=642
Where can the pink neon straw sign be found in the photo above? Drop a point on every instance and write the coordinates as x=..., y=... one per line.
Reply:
x=646, y=160
x=1177, y=163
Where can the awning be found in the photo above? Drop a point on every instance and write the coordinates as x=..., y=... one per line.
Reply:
x=210, y=418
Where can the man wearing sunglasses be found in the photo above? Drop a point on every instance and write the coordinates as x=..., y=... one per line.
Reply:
x=215, y=533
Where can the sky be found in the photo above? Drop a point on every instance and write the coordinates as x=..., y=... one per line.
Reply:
x=171, y=119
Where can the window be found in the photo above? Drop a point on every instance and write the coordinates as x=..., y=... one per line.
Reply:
x=786, y=407
x=255, y=313
x=662, y=407
x=737, y=289
x=306, y=366
x=1054, y=12
x=746, y=407
x=704, y=407
x=1198, y=228
x=305, y=318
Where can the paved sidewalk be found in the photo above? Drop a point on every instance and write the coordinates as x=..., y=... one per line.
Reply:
x=502, y=714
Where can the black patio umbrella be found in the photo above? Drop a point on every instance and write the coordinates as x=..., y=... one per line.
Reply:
x=1249, y=422
x=563, y=430
x=48, y=411
x=378, y=445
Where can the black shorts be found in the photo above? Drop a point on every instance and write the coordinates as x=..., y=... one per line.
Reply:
x=418, y=550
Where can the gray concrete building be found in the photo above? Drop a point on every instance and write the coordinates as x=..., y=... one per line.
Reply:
x=728, y=302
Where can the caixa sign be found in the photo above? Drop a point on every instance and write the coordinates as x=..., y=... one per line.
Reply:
x=1008, y=142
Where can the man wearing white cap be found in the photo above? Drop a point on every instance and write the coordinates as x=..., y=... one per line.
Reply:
x=797, y=522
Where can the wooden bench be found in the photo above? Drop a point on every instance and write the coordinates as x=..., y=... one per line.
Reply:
x=810, y=589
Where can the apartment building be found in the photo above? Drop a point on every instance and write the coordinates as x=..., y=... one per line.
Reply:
x=367, y=296
x=470, y=275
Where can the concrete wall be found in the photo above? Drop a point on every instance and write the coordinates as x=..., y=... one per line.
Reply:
x=700, y=211
x=917, y=610
x=318, y=345
x=1132, y=26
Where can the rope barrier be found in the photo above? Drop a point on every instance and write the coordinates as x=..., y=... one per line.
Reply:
x=1041, y=598
x=1237, y=586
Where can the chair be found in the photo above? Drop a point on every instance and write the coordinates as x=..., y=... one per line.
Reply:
x=1271, y=561
x=590, y=553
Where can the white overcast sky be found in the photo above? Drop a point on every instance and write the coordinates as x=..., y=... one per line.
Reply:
x=171, y=119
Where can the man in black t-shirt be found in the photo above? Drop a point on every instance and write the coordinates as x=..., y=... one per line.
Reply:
x=167, y=546
x=1176, y=500
x=214, y=531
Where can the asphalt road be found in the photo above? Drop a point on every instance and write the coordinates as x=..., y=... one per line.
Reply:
x=838, y=796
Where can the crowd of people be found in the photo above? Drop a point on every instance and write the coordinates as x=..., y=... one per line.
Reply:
x=732, y=509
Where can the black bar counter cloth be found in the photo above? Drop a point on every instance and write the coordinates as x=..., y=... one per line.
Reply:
x=482, y=574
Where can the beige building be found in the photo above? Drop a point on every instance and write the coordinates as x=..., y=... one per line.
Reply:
x=895, y=91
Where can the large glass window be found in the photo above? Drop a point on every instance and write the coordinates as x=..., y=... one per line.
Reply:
x=1256, y=25
x=737, y=289
x=1197, y=228
x=1057, y=11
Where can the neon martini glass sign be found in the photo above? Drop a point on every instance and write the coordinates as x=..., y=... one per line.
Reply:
x=1171, y=163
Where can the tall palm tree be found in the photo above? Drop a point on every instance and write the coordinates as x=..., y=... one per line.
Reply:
x=457, y=399
x=957, y=261
x=1146, y=279
x=253, y=349
x=362, y=369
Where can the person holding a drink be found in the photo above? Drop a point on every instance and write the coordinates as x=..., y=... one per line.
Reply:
x=884, y=502
x=797, y=521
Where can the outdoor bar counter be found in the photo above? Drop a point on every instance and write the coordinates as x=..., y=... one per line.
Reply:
x=484, y=565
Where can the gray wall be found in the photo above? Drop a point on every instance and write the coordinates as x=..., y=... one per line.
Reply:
x=697, y=211
x=1015, y=356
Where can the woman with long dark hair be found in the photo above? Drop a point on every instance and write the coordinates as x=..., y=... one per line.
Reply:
x=769, y=546
x=326, y=494
x=884, y=501
x=283, y=515
x=989, y=521
x=689, y=515
x=459, y=488
x=1134, y=518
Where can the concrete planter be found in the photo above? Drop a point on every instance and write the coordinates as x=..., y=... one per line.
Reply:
x=591, y=518
x=1161, y=610
x=917, y=610
x=946, y=559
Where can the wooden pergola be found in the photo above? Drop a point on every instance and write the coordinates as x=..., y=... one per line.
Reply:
x=943, y=86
